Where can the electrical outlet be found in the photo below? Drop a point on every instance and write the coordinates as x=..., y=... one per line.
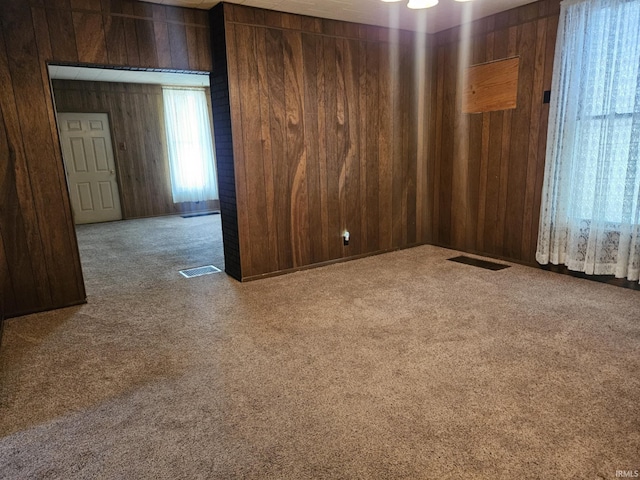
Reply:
x=345, y=238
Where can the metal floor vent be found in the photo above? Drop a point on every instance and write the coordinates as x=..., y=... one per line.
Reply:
x=199, y=271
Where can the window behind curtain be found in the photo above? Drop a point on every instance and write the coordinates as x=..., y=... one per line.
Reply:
x=590, y=215
x=606, y=110
x=190, y=146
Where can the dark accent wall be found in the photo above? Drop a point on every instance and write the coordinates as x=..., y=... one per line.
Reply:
x=224, y=144
x=39, y=261
x=329, y=127
x=136, y=117
x=486, y=170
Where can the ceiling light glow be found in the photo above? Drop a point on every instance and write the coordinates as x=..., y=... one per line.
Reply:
x=417, y=4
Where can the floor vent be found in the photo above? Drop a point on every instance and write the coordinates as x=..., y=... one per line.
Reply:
x=476, y=262
x=199, y=271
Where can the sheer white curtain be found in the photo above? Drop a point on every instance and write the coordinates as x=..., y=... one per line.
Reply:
x=193, y=171
x=590, y=215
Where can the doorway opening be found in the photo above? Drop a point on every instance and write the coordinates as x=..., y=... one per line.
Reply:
x=115, y=136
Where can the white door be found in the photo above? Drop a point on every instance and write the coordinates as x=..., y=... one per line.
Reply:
x=91, y=171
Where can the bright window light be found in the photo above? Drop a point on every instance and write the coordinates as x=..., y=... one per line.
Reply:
x=190, y=145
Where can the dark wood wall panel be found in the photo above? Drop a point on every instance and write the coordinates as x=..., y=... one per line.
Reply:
x=39, y=262
x=489, y=166
x=136, y=116
x=224, y=145
x=324, y=134
x=324, y=117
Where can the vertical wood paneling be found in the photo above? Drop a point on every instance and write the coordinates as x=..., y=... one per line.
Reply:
x=506, y=149
x=163, y=48
x=361, y=53
x=322, y=144
x=552, y=28
x=446, y=149
x=62, y=35
x=30, y=102
x=145, y=35
x=203, y=49
x=131, y=40
x=351, y=155
x=233, y=78
x=396, y=158
x=44, y=52
x=497, y=121
x=410, y=121
x=341, y=127
x=296, y=155
x=534, y=132
x=437, y=141
x=252, y=146
x=372, y=152
x=520, y=142
x=333, y=166
x=385, y=151
x=192, y=47
x=331, y=144
x=115, y=40
x=15, y=198
x=267, y=151
x=89, y=28
x=312, y=145
x=277, y=131
x=37, y=236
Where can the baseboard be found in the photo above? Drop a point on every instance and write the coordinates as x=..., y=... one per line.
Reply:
x=608, y=279
x=277, y=273
x=201, y=214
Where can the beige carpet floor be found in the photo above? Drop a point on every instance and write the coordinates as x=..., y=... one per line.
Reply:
x=403, y=365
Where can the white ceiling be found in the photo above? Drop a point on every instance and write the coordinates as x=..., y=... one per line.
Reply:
x=61, y=72
x=447, y=14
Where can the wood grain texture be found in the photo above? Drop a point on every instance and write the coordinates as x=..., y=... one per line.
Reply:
x=41, y=200
x=39, y=260
x=139, y=142
x=89, y=28
x=328, y=139
x=491, y=86
x=308, y=161
x=506, y=149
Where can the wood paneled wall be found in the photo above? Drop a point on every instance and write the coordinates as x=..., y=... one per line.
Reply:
x=39, y=262
x=486, y=170
x=136, y=116
x=328, y=120
x=336, y=126
x=221, y=107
